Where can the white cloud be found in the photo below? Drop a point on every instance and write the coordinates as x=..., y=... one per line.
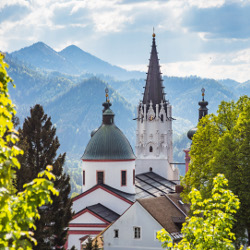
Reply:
x=206, y=3
x=5, y=3
x=95, y=24
x=112, y=21
x=215, y=65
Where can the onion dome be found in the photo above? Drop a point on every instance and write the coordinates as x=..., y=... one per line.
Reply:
x=108, y=142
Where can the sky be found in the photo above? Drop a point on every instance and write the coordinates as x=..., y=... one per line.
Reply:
x=206, y=38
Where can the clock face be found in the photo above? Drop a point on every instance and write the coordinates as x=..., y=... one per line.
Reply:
x=151, y=118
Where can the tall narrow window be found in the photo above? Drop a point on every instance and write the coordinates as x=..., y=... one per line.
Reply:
x=162, y=118
x=150, y=149
x=124, y=177
x=100, y=177
x=83, y=177
x=137, y=232
x=116, y=233
x=133, y=176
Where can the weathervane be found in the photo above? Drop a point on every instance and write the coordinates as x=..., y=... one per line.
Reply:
x=153, y=32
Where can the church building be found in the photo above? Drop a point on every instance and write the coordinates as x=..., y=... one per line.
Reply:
x=113, y=177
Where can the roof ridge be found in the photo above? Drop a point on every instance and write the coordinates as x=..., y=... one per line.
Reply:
x=175, y=205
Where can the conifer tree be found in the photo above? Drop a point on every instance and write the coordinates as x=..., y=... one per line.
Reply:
x=40, y=144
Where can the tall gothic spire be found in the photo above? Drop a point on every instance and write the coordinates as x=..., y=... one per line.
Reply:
x=153, y=89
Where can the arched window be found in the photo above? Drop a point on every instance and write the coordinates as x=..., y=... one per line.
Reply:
x=150, y=149
x=162, y=118
x=150, y=169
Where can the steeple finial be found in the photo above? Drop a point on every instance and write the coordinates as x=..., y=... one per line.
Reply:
x=153, y=32
x=106, y=104
x=107, y=94
x=203, y=93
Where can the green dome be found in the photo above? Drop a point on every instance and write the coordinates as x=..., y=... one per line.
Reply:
x=108, y=143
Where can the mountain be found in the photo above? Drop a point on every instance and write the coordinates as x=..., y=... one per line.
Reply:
x=42, y=56
x=74, y=101
x=79, y=111
x=71, y=60
x=74, y=104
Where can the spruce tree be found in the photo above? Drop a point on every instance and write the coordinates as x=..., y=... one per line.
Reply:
x=40, y=144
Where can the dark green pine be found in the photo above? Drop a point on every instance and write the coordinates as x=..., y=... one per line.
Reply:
x=40, y=144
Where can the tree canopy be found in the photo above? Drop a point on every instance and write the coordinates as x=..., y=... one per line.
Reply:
x=211, y=222
x=40, y=144
x=18, y=209
x=222, y=145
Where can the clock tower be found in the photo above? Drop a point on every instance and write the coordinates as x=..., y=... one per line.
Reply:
x=154, y=146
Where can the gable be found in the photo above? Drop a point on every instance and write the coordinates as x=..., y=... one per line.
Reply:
x=101, y=195
x=86, y=217
x=135, y=216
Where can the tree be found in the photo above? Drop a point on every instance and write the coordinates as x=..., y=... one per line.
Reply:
x=212, y=220
x=88, y=245
x=95, y=247
x=38, y=140
x=222, y=145
x=18, y=209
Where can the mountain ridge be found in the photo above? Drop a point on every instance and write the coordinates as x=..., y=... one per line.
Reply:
x=71, y=60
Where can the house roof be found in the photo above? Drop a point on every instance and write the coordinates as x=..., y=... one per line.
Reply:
x=100, y=211
x=147, y=185
x=164, y=210
x=129, y=198
x=104, y=212
x=151, y=184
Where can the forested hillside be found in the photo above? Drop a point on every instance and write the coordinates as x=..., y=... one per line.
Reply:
x=72, y=94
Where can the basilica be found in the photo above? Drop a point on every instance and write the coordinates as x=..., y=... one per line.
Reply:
x=113, y=177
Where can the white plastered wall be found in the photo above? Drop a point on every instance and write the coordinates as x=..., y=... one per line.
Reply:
x=112, y=174
x=135, y=216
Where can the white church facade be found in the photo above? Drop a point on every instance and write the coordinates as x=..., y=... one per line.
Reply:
x=113, y=176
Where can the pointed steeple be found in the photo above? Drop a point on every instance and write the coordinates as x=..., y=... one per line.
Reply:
x=153, y=89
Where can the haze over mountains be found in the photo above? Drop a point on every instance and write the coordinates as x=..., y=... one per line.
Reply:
x=70, y=85
x=71, y=60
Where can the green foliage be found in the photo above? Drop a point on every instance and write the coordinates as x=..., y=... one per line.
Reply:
x=40, y=144
x=212, y=220
x=88, y=245
x=18, y=210
x=95, y=247
x=222, y=145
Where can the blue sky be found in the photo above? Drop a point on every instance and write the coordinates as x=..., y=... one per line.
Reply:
x=208, y=38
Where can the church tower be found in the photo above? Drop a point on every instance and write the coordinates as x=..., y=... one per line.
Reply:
x=154, y=146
